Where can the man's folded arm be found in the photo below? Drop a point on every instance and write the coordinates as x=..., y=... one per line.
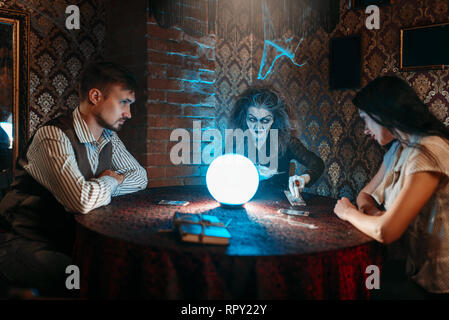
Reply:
x=135, y=176
x=52, y=162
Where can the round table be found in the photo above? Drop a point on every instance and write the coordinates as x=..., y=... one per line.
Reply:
x=128, y=249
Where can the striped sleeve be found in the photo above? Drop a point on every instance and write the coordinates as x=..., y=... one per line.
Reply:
x=52, y=162
x=135, y=176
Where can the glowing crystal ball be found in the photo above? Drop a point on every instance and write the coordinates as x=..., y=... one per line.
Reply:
x=232, y=179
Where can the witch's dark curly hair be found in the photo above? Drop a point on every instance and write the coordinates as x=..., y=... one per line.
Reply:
x=266, y=98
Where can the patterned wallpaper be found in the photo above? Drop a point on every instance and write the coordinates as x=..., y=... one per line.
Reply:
x=57, y=54
x=326, y=121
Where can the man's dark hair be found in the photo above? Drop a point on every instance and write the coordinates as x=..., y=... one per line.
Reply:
x=101, y=75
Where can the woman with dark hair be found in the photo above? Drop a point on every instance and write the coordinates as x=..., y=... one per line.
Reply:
x=261, y=111
x=411, y=186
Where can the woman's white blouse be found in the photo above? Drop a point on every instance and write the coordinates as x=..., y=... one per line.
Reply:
x=427, y=237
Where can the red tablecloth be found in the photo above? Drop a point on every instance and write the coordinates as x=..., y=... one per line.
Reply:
x=125, y=250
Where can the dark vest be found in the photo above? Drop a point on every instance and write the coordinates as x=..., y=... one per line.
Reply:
x=31, y=211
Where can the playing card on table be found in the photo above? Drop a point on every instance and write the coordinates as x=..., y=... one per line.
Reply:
x=173, y=203
x=294, y=212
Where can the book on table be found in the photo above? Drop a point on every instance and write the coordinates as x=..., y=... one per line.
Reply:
x=201, y=228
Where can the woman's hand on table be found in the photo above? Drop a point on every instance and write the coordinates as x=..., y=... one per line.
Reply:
x=297, y=183
x=343, y=208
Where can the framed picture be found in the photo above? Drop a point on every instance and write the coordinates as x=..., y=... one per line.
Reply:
x=424, y=48
x=345, y=62
x=362, y=4
x=14, y=85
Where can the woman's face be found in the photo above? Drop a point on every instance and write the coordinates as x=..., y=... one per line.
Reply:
x=259, y=121
x=381, y=134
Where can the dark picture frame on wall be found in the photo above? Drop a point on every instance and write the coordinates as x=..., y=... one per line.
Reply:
x=424, y=47
x=345, y=62
x=362, y=4
x=15, y=33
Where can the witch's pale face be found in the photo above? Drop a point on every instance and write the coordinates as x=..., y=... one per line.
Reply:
x=259, y=121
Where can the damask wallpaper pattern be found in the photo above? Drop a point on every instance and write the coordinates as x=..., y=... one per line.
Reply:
x=57, y=54
x=326, y=121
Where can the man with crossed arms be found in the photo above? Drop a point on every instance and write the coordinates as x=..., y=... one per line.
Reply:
x=73, y=164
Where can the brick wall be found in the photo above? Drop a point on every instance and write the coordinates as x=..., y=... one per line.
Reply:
x=177, y=74
x=126, y=44
x=180, y=82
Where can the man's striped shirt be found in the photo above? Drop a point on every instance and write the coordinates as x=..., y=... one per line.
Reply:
x=52, y=162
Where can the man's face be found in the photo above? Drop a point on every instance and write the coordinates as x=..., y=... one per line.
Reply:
x=112, y=112
x=381, y=134
x=259, y=121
